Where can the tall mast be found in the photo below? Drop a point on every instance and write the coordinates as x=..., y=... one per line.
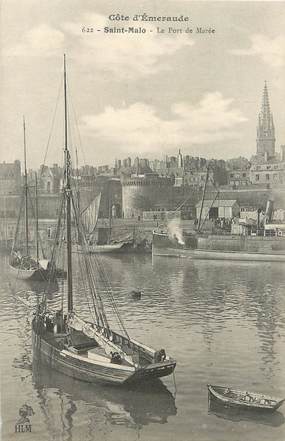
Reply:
x=26, y=189
x=110, y=211
x=37, y=217
x=203, y=199
x=67, y=191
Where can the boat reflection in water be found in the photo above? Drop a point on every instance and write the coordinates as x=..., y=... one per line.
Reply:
x=133, y=406
x=275, y=419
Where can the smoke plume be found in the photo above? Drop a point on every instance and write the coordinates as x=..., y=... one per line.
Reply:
x=175, y=230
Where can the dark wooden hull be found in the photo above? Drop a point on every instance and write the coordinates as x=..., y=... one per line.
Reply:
x=233, y=399
x=261, y=249
x=82, y=368
x=141, y=404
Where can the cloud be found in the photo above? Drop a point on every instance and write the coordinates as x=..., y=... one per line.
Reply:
x=128, y=55
x=42, y=40
x=125, y=55
x=140, y=128
x=270, y=50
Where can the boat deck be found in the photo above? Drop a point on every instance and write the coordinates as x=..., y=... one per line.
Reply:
x=80, y=345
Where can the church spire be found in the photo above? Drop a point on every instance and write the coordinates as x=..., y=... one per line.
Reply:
x=265, y=141
x=180, y=159
x=266, y=117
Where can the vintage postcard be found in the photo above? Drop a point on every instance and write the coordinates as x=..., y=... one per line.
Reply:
x=142, y=220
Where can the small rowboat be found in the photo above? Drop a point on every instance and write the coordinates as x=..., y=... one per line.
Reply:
x=243, y=399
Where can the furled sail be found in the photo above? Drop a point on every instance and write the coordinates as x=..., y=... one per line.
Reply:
x=90, y=214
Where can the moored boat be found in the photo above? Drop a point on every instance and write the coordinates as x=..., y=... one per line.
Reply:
x=23, y=265
x=229, y=397
x=223, y=247
x=90, y=350
x=89, y=218
x=106, y=248
x=32, y=271
x=239, y=239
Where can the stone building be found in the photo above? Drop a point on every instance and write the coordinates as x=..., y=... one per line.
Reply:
x=49, y=179
x=268, y=167
x=145, y=192
x=269, y=173
x=10, y=178
x=239, y=178
x=111, y=195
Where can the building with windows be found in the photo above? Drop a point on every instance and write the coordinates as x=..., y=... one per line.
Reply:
x=268, y=167
x=223, y=209
x=238, y=178
x=10, y=178
x=271, y=173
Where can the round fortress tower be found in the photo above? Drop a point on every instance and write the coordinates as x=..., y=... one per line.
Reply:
x=144, y=193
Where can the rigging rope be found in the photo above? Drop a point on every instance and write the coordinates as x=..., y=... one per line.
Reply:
x=52, y=126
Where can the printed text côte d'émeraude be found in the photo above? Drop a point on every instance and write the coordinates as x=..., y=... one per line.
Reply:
x=146, y=17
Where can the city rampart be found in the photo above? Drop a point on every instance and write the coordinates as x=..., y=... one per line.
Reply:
x=144, y=193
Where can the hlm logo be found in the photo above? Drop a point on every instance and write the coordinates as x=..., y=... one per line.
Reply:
x=24, y=424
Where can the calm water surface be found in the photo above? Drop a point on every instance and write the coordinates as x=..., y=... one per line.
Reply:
x=224, y=323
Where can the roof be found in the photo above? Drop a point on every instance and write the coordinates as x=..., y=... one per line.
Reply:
x=218, y=203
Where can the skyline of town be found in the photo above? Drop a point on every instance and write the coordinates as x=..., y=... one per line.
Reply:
x=265, y=151
x=163, y=156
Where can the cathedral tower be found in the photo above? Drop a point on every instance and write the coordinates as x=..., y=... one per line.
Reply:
x=180, y=159
x=265, y=141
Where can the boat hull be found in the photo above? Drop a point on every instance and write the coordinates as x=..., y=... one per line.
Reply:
x=26, y=274
x=108, y=248
x=90, y=371
x=219, y=255
x=164, y=246
x=217, y=395
x=99, y=249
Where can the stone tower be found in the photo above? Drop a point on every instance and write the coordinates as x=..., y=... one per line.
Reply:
x=180, y=159
x=265, y=141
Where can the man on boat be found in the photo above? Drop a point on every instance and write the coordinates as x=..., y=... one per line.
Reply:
x=248, y=398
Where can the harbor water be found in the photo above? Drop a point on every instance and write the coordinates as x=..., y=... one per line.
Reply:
x=224, y=323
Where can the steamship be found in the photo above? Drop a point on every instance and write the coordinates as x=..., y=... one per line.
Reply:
x=245, y=242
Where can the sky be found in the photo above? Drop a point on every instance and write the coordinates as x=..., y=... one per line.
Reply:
x=144, y=95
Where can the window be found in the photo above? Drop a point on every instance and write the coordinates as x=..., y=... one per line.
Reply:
x=257, y=177
x=267, y=177
x=244, y=175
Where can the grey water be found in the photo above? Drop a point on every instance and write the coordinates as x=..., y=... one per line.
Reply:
x=224, y=323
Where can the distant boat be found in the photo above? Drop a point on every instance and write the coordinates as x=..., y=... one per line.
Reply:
x=250, y=243
x=91, y=351
x=106, y=248
x=23, y=265
x=246, y=400
x=89, y=220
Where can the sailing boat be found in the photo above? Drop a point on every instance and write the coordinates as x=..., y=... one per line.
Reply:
x=90, y=217
x=90, y=351
x=90, y=220
x=22, y=264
